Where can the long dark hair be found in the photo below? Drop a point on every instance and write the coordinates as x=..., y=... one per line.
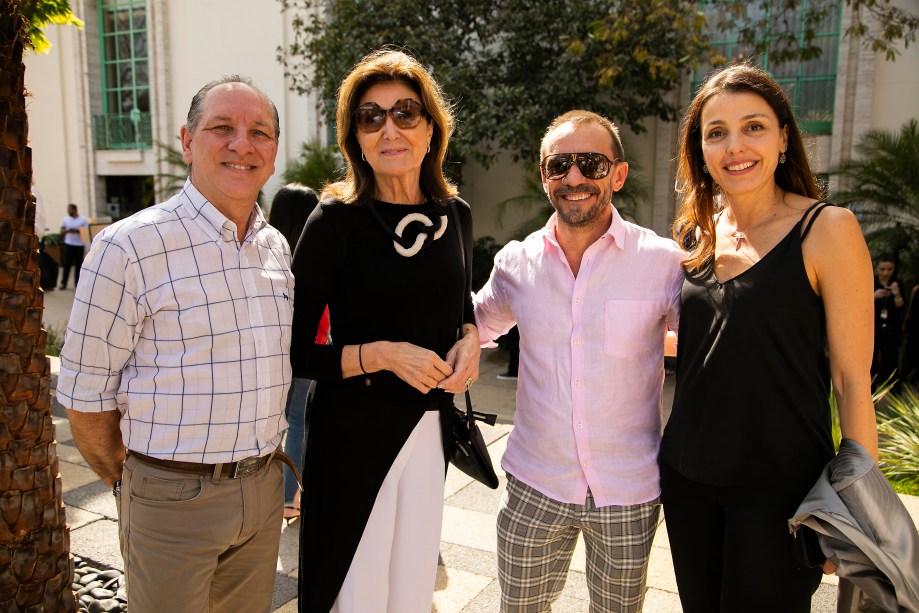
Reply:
x=289, y=209
x=695, y=227
x=382, y=66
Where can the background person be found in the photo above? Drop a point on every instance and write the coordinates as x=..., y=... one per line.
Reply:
x=911, y=332
x=177, y=349
x=72, y=249
x=593, y=296
x=383, y=253
x=290, y=207
x=773, y=278
x=888, y=307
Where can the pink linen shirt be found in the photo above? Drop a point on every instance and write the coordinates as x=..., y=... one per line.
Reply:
x=591, y=359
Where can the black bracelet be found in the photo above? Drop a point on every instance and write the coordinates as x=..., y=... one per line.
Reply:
x=360, y=359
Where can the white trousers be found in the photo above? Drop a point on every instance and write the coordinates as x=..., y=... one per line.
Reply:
x=395, y=565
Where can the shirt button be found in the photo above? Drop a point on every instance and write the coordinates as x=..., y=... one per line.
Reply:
x=577, y=341
x=577, y=384
x=586, y=465
x=577, y=301
x=580, y=426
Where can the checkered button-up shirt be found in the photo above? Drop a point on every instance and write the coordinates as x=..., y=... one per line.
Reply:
x=185, y=331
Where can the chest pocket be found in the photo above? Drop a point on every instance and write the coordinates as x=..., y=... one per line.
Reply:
x=632, y=328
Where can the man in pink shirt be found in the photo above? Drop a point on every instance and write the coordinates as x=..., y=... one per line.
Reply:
x=593, y=297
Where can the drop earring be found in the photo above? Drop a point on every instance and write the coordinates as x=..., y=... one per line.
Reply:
x=429, y=147
x=704, y=168
x=362, y=155
x=782, y=158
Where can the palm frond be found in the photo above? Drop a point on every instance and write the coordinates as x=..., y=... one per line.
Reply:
x=882, y=189
x=898, y=433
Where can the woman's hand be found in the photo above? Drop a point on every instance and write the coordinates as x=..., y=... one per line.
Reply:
x=828, y=567
x=464, y=357
x=421, y=368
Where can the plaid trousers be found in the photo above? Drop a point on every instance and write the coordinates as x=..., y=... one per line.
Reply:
x=536, y=539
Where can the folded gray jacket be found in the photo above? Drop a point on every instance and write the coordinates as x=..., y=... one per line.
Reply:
x=864, y=529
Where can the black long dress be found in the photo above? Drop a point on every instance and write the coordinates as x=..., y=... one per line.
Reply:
x=346, y=259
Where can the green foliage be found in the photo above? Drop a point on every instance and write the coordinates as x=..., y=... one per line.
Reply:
x=53, y=239
x=774, y=26
x=909, y=487
x=898, y=433
x=171, y=182
x=882, y=189
x=510, y=66
x=316, y=166
x=40, y=14
x=896, y=25
x=513, y=65
x=54, y=341
x=484, y=250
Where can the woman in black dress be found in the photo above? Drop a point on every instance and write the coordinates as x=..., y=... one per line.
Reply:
x=774, y=277
x=383, y=252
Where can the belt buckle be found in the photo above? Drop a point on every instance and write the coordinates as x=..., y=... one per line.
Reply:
x=246, y=467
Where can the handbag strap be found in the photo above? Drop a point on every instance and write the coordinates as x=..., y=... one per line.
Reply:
x=459, y=331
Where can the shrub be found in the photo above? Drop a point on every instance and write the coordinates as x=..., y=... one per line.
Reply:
x=54, y=341
x=898, y=432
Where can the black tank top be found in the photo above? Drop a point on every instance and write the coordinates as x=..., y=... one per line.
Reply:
x=751, y=404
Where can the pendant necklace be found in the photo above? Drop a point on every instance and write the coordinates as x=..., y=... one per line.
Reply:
x=740, y=236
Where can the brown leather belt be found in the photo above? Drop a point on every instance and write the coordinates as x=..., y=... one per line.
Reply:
x=229, y=470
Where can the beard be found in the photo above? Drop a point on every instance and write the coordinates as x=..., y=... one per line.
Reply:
x=575, y=215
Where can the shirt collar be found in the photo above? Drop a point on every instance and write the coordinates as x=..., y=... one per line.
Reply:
x=616, y=230
x=201, y=209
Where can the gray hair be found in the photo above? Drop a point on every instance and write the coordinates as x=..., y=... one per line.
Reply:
x=197, y=103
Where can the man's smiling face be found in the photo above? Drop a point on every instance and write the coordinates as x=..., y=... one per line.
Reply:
x=233, y=148
x=578, y=200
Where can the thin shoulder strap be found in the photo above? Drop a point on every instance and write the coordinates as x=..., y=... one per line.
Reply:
x=459, y=238
x=459, y=232
x=819, y=206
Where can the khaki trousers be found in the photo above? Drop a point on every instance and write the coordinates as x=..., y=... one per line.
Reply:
x=192, y=543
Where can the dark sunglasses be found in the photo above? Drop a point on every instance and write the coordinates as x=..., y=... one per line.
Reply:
x=406, y=113
x=591, y=165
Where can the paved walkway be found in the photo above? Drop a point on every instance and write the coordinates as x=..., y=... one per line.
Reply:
x=466, y=576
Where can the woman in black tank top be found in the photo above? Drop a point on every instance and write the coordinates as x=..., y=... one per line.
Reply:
x=774, y=278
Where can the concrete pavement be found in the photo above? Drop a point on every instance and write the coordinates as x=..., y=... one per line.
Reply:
x=466, y=575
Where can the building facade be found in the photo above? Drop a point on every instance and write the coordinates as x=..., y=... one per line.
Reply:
x=108, y=96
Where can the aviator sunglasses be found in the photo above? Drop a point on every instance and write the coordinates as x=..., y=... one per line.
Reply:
x=406, y=113
x=591, y=165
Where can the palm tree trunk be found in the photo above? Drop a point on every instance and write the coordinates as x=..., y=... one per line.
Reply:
x=35, y=565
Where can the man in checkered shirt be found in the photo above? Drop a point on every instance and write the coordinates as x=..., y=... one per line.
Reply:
x=175, y=368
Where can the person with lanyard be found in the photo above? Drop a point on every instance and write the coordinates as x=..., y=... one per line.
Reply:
x=888, y=333
x=176, y=368
x=776, y=304
x=383, y=252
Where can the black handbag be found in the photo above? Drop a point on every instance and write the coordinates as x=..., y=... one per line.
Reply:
x=469, y=453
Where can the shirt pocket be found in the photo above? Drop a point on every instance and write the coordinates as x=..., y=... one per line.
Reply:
x=632, y=328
